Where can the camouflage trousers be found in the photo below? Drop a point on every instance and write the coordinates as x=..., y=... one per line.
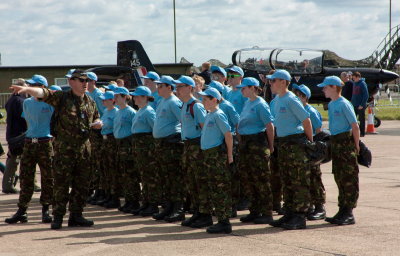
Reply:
x=130, y=177
x=236, y=184
x=255, y=176
x=219, y=182
x=345, y=170
x=71, y=167
x=170, y=179
x=317, y=189
x=196, y=177
x=276, y=183
x=295, y=175
x=96, y=176
x=143, y=155
x=111, y=178
x=36, y=154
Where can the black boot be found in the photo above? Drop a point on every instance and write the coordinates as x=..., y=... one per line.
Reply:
x=135, y=207
x=297, y=221
x=57, y=222
x=263, y=219
x=177, y=213
x=19, y=216
x=234, y=211
x=113, y=203
x=46, y=218
x=319, y=213
x=76, y=219
x=101, y=201
x=188, y=222
x=127, y=205
x=223, y=226
x=166, y=211
x=149, y=211
x=279, y=222
x=333, y=219
x=243, y=204
x=249, y=217
x=278, y=209
x=203, y=221
x=347, y=217
x=136, y=211
x=98, y=195
x=91, y=191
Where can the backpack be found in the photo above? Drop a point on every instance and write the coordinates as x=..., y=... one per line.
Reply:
x=191, y=111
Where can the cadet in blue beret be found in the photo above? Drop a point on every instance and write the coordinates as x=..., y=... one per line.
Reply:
x=235, y=76
x=345, y=139
x=216, y=136
x=122, y=133
x=219, y=74
x=256, y=137
x=150, y=81
x=317, y=189
x=293, y=129
x=143, y=147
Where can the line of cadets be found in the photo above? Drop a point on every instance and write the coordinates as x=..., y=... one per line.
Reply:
x=176, y=148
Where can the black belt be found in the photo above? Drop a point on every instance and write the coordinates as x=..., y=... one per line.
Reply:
x=141, y=134
x=194, y=141
x=292, y=138
x=38, y=140
x=341, y=136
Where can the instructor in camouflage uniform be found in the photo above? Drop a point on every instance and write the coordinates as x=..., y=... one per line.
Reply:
x=77, y=115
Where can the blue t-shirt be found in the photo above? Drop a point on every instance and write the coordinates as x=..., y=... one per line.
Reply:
x=236, y=98
x=123, y=122
x=226, y=91
x=143, y=121
x=167, y=117
x=230, y=112
x=156, y=101
x=214, y=129
x=341, y=116
x=289, y=115
x=99, y=102
x=255, y=116
x=38, y=116
x=191, y=126
x=315, y=117
x=108, y=121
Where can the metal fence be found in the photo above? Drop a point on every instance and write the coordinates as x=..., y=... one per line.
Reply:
x=3, y=99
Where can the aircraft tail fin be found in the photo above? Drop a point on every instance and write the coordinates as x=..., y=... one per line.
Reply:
x=131, y=53
x=387, y=53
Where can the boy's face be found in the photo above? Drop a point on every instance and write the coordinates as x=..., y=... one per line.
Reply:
x=277, y=84
x=330, y=91
x=209, y=103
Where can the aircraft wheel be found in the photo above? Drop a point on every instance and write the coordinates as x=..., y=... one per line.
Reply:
x=377, y=122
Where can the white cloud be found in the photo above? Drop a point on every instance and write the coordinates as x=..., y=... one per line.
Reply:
x=50, y=32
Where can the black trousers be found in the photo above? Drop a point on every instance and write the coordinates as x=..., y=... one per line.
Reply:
x=361, y=118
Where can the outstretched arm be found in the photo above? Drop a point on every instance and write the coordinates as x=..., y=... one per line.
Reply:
x=35, y=92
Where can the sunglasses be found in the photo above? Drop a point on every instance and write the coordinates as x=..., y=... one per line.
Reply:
x=233, y=76
x=82, y=80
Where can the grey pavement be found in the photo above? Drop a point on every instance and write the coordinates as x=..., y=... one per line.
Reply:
x=376, y=232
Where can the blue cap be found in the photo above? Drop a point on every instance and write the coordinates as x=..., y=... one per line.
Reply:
x=185, y=80
x=91, y=76
x=151, y=75
x=69, y=73
x=304, y=89
x=236, y=69
x=108, y=95
x=55, y=88
x=141, y=91
x=121, y=90
x=211, y=92
x=331, y=80
x=37, y=79
x=111, y=87
x=248, y=81
x=218, y=69
x=280, y=74
x=166, y=80
x=217, y=85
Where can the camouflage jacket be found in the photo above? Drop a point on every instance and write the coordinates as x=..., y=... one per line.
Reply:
x=73, y=115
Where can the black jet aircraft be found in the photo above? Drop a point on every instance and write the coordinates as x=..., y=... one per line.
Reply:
x=306, y=66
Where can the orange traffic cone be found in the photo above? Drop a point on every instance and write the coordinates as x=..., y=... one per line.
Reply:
x=370, y=125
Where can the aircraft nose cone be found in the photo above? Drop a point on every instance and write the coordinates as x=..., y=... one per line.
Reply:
x=387, y=76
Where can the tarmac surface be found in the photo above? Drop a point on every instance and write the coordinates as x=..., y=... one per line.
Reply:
x=376, y=232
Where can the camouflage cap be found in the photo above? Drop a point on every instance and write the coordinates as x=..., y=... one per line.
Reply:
x=79, y=74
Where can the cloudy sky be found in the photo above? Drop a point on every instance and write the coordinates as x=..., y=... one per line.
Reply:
x=58, y=32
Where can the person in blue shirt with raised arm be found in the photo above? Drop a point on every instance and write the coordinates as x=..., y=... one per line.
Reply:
x=168, y=151
x=317, y=189
x=143, y=148
x=110, y=174
x=345, y=139
x=149, y=81
x=192, y=119
x=217, y=145
x=38, y=150
x=293, y=127
x=256, y=142
x=359, y=99
x=234, y=96
x=122, y=133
